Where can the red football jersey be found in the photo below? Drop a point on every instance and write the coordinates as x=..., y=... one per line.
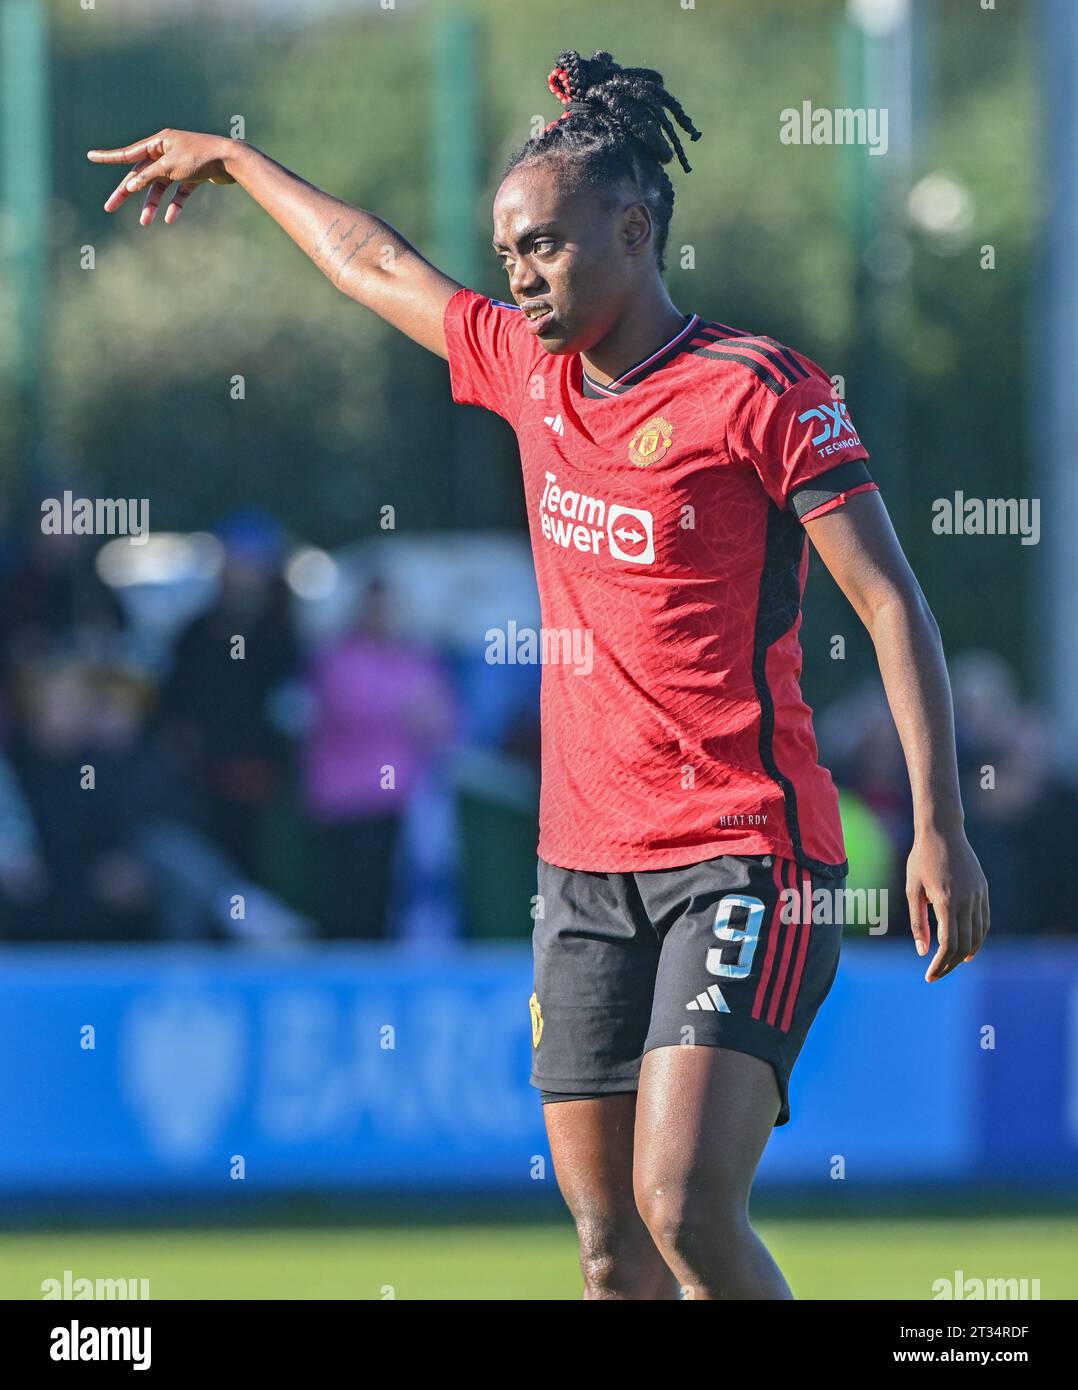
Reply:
x=665, y=511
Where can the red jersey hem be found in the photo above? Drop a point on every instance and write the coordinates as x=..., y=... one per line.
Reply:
x=675, y=858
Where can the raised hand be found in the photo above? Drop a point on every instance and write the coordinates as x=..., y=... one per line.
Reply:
x=183, y=157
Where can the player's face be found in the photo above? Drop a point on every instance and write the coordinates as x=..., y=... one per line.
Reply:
x=571, y=264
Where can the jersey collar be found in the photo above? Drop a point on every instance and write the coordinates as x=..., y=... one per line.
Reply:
x=636, y=373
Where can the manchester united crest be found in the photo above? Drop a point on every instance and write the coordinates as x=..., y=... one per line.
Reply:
x=649, y=441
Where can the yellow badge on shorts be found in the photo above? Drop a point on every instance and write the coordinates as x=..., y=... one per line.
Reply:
x=650, y=440
x=537, y=1019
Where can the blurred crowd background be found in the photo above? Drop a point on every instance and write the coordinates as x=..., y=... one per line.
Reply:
x=343, y=774
x=312, y=490
x=224, y=735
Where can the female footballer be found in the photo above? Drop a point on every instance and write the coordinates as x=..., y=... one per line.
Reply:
x=690, y=850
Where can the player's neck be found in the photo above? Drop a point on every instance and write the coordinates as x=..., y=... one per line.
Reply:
x=650, y=322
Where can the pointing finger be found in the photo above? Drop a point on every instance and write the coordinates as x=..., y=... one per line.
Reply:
x=127, y=155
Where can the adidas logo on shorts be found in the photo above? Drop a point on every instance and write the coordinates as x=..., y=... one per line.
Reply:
x=711, y=1001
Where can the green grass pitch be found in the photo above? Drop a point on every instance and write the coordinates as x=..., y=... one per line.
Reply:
x=830, y=1259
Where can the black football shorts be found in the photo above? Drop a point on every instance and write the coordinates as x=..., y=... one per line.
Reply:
x=724, y=953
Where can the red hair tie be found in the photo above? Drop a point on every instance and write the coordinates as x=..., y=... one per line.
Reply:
x=560, y=86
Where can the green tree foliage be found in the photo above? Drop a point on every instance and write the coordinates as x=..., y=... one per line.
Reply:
x=342, y=415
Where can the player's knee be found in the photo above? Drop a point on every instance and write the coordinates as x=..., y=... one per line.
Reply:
x=612, y=1256
x=685, y=1224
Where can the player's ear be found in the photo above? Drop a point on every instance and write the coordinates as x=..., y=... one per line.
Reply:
x=636, y=228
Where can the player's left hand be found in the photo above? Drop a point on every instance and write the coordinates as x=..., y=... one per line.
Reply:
x=186, y=158
x=944, y=871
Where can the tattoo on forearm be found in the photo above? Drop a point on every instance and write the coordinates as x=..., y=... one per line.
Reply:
x=344, y=263
x=329, y=247
x=317, y=247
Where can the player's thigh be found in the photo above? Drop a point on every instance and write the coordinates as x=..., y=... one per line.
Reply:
x=591, y=1143
x=595, y=957
x=703, y=1119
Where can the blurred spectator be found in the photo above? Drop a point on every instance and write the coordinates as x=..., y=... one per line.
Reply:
x=23, y=876
x=1021, y=818
x=382, y=713
x=115, y=858
x=860, y=745
x=51, y=600
x=217, y=704
x=84, y=781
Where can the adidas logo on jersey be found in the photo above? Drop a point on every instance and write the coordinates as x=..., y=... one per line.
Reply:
x=555, y=423
x=711, y=1001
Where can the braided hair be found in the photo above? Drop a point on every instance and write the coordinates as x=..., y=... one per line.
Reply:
x=615, y=128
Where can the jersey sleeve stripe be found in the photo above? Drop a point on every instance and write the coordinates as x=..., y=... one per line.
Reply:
x=792, y=374
x=787, y=355
x=757, y=368
x=781, y=358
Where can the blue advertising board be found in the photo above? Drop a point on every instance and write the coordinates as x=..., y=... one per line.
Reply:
x=375, y=1068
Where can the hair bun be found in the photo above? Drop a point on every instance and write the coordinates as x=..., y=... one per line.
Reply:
x=625, y=129
x=634, y=100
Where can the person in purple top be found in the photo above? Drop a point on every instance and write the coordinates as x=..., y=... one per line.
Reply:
x=383, y=712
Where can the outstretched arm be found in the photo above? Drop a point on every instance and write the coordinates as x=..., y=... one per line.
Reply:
x=858, y=545
x=358, y=252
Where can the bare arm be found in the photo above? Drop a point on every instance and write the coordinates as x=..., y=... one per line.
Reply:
x=357, y=252
x=858, y=545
